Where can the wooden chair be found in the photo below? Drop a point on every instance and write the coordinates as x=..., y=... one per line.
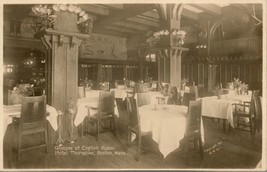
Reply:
x=246, y=111
x=130, y=93
x=257, y=113
x=201, y=91
x=105, y=111
x=193, y=128
x=160, y=86
x=86, y=89
x=194, y=89
x=161, y=100
x=133, y=125
x=173, y=98
x=32, y=121
x=143, y=99
x=154, y=86
x=188, y=97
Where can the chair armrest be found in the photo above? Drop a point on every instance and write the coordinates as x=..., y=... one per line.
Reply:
x=47, y=113
x=243, y=106
x=91, y=107
x=246, y=102
x=15, y=119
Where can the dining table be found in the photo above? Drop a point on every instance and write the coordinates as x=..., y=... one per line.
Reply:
x=167, y=123
x=222, y=107
x=83, y=105
x=121, y=93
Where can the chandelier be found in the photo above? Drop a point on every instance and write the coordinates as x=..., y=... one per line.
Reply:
x=46, y=16
x=178, y=35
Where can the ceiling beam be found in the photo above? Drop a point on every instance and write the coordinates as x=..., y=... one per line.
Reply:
x=143, y=21
x=189, y=14
x=147, y=18
x=152, y=14
x=129, y=11
x=209, y=8
x=96, y=9
x=109, y=32
x=120, y=29
x=131, y=25
x=114, y=6
x=242, y=7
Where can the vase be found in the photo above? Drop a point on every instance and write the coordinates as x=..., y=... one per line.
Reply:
x=183, y=86
x=14, y=97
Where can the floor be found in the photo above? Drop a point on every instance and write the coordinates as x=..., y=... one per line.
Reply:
x=230, y=149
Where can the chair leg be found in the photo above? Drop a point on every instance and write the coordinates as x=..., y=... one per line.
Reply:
x=238, y=120
x=97, y=134
x=19, y=146
x=224, y=125
x=200, y=147
x=252, y=129
x=195, y=143
x=250, y=125
x=46, y=141
x=138, y=147
x=114, y=126
x=187, y=151
x=127, y=138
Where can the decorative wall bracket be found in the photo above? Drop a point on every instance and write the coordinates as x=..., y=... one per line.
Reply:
x=49, y=35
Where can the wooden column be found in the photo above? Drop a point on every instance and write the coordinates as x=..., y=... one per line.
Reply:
x=64, y=67
x=168, y=48
x=63, y=42
x=176, y=66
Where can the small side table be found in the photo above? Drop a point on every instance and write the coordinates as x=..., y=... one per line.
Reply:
x=72, y=110
x=60, y=141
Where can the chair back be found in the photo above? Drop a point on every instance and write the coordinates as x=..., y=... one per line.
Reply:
x=160, y=86
x=257, y=111
x=255, y=94
x=193, y=120
x=143, y=99
x=106, y=103
x=33, y=111
x=130, y=93
x=194, y=89
x=188, y=97
x=132, y=115
x=86, y=89
x=256, y=104
x=201, y=91
x=173, y=96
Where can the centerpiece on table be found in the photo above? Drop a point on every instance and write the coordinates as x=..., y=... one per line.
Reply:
x=104, y=86
x=19, y=91
x=238, y=86
x=148, y=81
x=87, y=83
x=184, y=82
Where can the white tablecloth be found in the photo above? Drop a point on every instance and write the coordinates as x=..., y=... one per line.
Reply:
x=154, y=95
x=120, y=93
x=222, y=108
x=82, y=110
x=15, y=110
x=167, y=124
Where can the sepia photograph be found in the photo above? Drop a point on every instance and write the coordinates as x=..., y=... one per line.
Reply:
x=133, y=85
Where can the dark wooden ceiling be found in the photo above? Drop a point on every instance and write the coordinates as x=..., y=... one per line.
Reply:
x=133, y=19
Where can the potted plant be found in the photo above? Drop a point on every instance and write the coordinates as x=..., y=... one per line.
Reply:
x=14, y=96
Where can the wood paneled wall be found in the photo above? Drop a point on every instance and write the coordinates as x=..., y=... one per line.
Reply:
x=234, y=46
x=249, y=73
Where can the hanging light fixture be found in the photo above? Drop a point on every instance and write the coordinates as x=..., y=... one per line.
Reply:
x=46, y=16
